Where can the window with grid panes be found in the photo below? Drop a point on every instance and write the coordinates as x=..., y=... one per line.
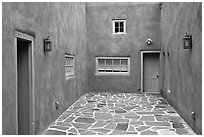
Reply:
x=113, y=65
x=119, y=26
x=69, y=66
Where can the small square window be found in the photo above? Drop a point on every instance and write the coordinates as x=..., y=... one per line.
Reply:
x=119, y=26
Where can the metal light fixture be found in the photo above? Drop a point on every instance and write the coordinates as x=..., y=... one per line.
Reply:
x=187, y=41
x=149, y=41
x=47, y=45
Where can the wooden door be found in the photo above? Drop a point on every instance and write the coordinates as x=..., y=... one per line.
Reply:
x=151, y=75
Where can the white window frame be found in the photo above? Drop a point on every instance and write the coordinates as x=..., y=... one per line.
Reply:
x=69, y=75
x=124, y=25
x=113, y=73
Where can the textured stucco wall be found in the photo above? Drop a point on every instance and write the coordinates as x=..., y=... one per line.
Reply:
x=182, y=68
x=66, y=25
x=142, y=20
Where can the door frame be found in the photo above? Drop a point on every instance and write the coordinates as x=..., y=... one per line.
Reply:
x=29, y=38
x=142, y=69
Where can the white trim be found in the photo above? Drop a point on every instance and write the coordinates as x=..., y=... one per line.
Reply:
x=31, y=81
x=21, y=35
x=142, y=71
x=112, y=73
x=16, y=67
x=124, y=26
x=33, y=87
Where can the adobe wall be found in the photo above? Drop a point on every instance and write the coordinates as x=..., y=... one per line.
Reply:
x=85, y=30
x=142, y=21
x=66, y=25
x=182, y=68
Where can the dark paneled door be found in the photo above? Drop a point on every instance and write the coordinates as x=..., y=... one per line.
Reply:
x=151, y=75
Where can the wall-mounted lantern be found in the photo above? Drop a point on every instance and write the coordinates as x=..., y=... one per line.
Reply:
x=149, y=41
x=47, y=45
x=187, y=41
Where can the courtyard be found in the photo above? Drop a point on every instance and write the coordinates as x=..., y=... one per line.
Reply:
x=118, y=114
x=88, y=68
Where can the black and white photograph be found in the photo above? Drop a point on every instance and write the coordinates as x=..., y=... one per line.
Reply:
x=101, y=68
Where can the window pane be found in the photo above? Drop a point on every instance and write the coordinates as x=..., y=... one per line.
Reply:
x=72, y=70
x=116, y=24
x=101, y=61
x=124, y=62
x=109, y=65
x=121, y=24
x=71, y=61
x=116, y=65
x=67, y=61
x=66, y=70
x=124, y=68
x=116, y=30
x=109, y=62
x=116, y=62
x=121, y=30
x=102, y=67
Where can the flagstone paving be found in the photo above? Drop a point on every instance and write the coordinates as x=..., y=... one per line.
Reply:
x=120, y=114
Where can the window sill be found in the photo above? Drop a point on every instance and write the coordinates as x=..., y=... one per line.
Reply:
x=112, y=74
x=119, y=33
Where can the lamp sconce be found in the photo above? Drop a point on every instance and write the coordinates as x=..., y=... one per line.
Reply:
x=187, y=41
x=47, y=44
x=149, y=41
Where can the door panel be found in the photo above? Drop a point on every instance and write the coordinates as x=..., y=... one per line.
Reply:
x=151, y=75
x=147, y=83
x=154, y=84
x=147, y=64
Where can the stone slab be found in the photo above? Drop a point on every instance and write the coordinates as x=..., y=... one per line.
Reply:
x=85, y=120
x=110, y=126
x=157, y=123
x=101, y=130
x=147, y=118
x=54, y=132
x=82, y=126
x=122, y=126
x=149, y=132
x=60, y=127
